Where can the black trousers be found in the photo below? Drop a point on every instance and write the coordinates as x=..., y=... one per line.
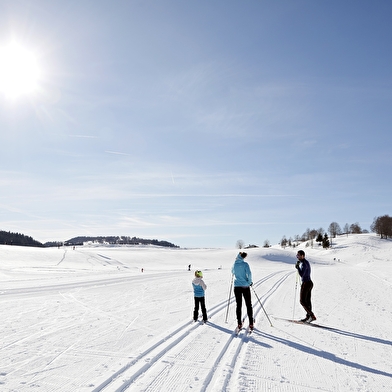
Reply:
x=240, y=292
x=202, y=302
x=306, y=297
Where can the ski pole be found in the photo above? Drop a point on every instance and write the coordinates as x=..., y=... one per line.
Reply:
x=261, y=305
x=295, y=294
x=228, y=300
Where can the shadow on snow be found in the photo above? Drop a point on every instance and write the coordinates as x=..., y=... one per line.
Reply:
x=326, y=355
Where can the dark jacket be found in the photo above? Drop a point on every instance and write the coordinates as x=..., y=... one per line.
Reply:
x=304, y=270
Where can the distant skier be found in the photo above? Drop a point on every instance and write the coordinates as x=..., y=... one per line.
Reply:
x=304, y=269
x=242, y=282
x=199, y=288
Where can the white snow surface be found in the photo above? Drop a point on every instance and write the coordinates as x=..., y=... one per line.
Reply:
x=90, y=320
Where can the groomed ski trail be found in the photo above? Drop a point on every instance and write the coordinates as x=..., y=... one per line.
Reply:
x=164, y=365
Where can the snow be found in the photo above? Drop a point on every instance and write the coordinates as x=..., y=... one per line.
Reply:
x=90, y=320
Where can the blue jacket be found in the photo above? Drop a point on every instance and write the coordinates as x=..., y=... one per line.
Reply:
x=198, y=287
x=304, y=270
x=241, y=272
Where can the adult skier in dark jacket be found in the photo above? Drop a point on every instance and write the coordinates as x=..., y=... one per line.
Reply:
x=304, y=270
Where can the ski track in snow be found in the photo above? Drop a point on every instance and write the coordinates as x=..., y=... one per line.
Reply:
x=98, y=324
x=157, y=368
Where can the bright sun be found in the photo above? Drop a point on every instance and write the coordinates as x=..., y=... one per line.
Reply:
x=19, y=71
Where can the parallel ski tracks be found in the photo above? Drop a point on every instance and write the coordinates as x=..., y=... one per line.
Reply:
x=145, y=369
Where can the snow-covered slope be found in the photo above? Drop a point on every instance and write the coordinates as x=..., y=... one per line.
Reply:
x=89, y=319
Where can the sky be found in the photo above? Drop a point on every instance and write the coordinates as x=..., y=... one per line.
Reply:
x=199, y=123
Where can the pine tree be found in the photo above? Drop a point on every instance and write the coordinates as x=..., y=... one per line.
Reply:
x=326, y=241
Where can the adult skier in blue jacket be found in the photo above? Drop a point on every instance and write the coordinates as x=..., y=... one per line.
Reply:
x=242, y=282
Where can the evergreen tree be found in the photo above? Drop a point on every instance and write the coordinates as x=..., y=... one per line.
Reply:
x=326, y=241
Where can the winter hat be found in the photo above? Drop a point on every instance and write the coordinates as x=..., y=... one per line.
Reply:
x=198, y=274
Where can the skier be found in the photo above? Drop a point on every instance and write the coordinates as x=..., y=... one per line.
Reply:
x=242, y=282
x=198, y=290
x=303, y=267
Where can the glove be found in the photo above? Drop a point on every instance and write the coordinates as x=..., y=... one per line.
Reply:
x=251, y=284
x=297, y=265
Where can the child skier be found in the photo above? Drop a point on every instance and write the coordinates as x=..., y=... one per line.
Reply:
x=198, y=289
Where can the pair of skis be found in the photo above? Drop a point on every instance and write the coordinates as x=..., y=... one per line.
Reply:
x=202, y=322
x=311, y=324
x=248, y=330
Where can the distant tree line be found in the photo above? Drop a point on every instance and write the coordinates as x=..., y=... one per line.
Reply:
x=381, y=225
x=118, y=240
x=317, y=235
x=8, y=238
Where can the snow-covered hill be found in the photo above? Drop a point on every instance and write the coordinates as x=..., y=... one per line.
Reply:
x=89, y=319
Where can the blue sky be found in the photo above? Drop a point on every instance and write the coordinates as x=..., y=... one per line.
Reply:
x=200, y=123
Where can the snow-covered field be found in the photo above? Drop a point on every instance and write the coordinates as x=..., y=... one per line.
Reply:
x=89, y=320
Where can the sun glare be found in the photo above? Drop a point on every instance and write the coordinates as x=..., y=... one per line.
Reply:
x=19, y=71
